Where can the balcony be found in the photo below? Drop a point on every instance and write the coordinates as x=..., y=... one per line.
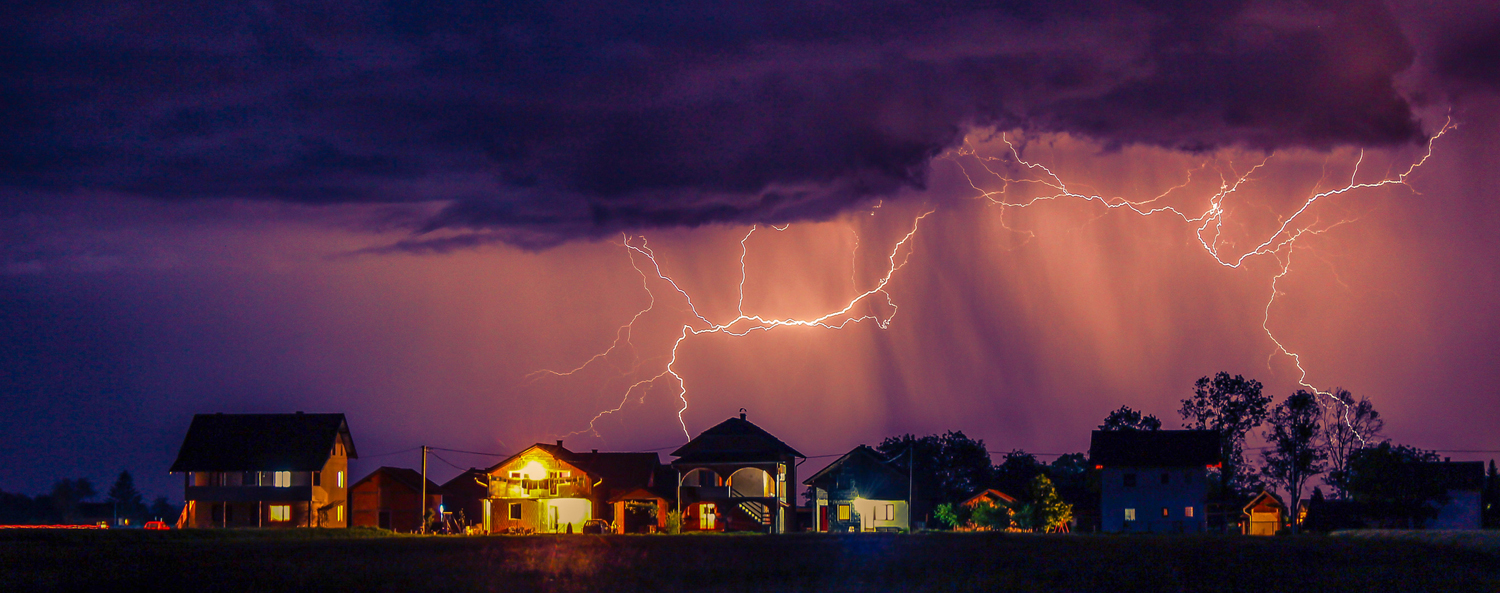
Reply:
x=248, y=493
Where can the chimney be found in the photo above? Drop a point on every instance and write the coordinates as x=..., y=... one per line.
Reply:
x=595, y=451
x=742, y=415
x=559, y=443
x=299, y=411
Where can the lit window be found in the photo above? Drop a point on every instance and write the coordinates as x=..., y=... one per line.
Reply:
x=515, y=511
x=281, y=512
x=1129, y=480
x=283, y=479
x=706, y=517
x=339, y=512
x=1129, y=514
x=843, y=512
x=1165, y=512
x=1187, y=511
x=341, y=478
x=516, y=475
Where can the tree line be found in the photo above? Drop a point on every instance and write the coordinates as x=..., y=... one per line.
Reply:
x=72, y=501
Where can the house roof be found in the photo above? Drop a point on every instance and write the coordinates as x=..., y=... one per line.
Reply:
x=1154, y=448
x=989, y=494
x=1265, y=496
x=1454, y=475
x=262, y=442
x=466, y=484
x=404, y=476
x=733, y=440
x=556, y=451
x=859, y=459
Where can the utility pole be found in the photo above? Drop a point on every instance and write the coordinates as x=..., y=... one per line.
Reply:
x=422, y=503
x=910, y=502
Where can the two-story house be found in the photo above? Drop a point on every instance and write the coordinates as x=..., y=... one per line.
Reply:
x=549, y=489
x=860, y=492
x=734, y=477
x=265, y=470
x=1154, y=480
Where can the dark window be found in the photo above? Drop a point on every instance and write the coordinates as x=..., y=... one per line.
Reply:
x=318, y=478
x=515, y=511
x=1129, y=480
x=1166, y=479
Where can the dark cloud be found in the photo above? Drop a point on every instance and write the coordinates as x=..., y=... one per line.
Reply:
x=1473, y=54
x=560, y=120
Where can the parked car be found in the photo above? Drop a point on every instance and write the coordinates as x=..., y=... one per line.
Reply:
x=156, y=526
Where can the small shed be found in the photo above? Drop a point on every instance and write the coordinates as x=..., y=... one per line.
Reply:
x=1265, y=514
x=388, y=499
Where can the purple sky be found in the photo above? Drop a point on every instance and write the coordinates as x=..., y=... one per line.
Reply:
x=401, y=212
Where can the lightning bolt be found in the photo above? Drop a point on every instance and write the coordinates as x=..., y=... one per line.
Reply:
x=1279, y=245
x=648, y=265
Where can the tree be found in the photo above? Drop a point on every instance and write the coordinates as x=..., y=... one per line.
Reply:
x=1232, y=407
x=1128, y=419
x=127, y=500
x=1389, y=484
x=945, y=468
x=161, y=510
x=990, y=516
x=65, y=496
x=1048, y=510
x=1294, y=456
x=1348, y=426
x=1014, y=474
x=952, y=514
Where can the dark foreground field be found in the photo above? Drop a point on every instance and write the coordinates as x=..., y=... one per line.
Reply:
x=251, y=561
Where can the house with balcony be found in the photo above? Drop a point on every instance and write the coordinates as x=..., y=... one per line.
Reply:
x=735, y=477
x=861, y=491
x=265, y=470
x=1154, y=480
x=549, y=489
x=390, y=498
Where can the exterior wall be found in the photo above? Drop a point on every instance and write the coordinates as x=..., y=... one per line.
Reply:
x=541, y=515
x=243, y=499
x=330, y=495
x=1185, y=487
x=862, y=513
x=380, y=501
x=221, y=514
x=736, y=483
x=1461, y=512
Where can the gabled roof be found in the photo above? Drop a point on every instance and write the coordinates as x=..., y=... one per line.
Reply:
x=862, y=460
x=989, y=495
x=1154, y=448
x=733, y=440
x=556, y=451
x=261, y=442
x=469, y=484
x=1453, y=475
x=1265, y=496
x=404, y=476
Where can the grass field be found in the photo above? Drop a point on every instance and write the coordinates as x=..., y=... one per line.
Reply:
x=335, y=560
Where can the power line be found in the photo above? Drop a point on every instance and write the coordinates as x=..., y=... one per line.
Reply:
x=389, y=454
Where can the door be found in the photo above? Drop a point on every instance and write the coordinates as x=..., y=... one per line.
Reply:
x=385, y=519
x=823, y=518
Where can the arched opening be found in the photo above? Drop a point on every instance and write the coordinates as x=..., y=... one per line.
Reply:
x=701, y=477
x=752, y=482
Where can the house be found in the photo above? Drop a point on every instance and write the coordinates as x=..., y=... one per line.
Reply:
x=1465, y=483
x=1265, y=514
x=549, y=489
x=861, y=492
x=389, y=498
x=464, y=497
x=991, y=497
x=265, y=470
x=734, y=477
x=1154, y=480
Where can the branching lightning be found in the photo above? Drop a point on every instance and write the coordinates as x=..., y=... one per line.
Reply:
x=1279, y=245
x=648, y=264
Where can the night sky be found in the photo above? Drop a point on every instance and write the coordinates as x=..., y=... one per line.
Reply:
x=403, y=211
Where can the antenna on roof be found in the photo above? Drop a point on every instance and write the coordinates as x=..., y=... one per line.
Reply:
x=742, y=413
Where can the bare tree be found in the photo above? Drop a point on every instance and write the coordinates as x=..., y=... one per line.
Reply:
x=1348, y=426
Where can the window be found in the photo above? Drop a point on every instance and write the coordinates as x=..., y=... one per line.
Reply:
x=317, y=478
x=706, y=517
x=283, y=479
x=515, y=475
x=885, y=512
x=1165, y=512
x=843, y=512
x=1129, y=514
x=339, y=513
x=281, y=512
x=1166, y=479
x=1129, y=480
x=1187, y=512
x=341, y=478
x=515, y=511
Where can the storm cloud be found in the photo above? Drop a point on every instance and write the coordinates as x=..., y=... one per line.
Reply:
x=537, y=122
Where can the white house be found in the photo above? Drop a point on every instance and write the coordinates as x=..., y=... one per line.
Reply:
x=1154, y=480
